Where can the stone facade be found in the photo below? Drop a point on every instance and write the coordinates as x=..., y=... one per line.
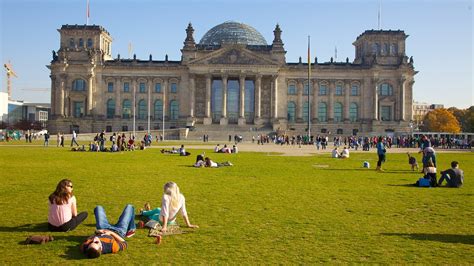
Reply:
x=246, y=84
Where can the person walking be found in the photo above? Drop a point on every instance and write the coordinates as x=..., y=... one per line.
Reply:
x=74, y=138
x=381, y=153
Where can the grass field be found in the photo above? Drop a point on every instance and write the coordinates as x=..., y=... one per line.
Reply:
x=265, y=209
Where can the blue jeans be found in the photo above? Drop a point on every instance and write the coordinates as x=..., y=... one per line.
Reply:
x=125, y=223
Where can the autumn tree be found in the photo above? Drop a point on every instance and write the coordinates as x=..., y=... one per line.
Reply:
x=465, y=118
x=441, y=120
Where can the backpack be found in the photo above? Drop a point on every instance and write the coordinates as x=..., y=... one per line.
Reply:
x=423, y=182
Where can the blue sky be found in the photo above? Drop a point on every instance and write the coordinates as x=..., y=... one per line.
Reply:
x=440, y=34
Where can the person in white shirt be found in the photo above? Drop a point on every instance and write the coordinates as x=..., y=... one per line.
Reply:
x=172, y=203
x=345, y=153
x=335, y=153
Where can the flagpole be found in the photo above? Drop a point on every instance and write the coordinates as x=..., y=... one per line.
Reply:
x=134, y=106
x=87, y=13
x=309, y=90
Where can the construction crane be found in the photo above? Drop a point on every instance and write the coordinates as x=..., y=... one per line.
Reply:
x=10, y=73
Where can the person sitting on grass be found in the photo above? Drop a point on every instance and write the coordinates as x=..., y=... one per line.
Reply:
x=183, y=152
x=430, y=173
x=344, y=153
x=62, y=215
x=131, y=143
x=109, y=238
x=412, y=161
x=454, y=177
x=172, y=203
x=335, y=153
x=217, y=148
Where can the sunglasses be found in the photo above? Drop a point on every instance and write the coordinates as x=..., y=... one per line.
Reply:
x=69, y=186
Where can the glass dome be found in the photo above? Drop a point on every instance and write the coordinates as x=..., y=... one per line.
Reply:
x=233, y=32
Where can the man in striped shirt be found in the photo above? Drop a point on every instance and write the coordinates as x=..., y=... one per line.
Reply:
x=110, y=238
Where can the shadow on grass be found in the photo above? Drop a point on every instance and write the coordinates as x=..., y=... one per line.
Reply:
x=73, y=252
x=446, y=238
x=41, y=227
x=403, y=185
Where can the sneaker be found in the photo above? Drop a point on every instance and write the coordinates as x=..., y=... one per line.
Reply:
x=130, y=233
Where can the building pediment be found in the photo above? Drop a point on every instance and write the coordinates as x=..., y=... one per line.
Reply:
x=233, y=56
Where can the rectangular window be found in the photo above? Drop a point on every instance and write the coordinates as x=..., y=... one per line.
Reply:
x=306, y=89
x=124, y=128
x=108, y=128
x=110, y=87
x=126, y=87
x=355, y=90
x=323, y=90
x=174, y=88
x=142, y=88
x=158, y=87
x=292, y=89
x=386, y=113
x=78, y=109
x=338, y=91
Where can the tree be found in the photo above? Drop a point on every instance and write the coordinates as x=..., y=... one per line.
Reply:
x=441, y=120
x=469, y=120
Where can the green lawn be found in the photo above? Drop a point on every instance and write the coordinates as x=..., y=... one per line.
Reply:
x=263, y=210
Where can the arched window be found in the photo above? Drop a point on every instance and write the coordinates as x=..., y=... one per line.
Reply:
x=81, y=42
x=385, y=89
x=89, y=43
x=292, y=89
x=158, y=110
x=79, y=85
x=305, y=111
x=353, y=112
x=126, y=109
x=142, y=109
x=338, y=112
x=323, y=112
x=323, y=89
x=110, y=108
x=355, y=90
x=375, y=48
x=393, y=49
x=338, y=91
x=174, y=110
x=71, y=43
x=291, y=111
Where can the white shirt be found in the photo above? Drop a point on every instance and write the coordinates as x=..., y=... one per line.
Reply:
x=168, y=211
x=345, y=153
x=335, y=154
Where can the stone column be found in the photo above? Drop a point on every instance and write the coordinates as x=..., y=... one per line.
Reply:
x=54, y=96
x=118, y=98
x=89, y=95
x=258, y=96
x=242, y=121
x=208, y=118
x=275, y=96
x=376, y=100
x=224, y=120
x=402, y=98
x=331, y=88
x=347, y=92
x=192, y=89
x=150, y=83
x=315, y=100
x=62, y=98
x=165, y=90
x=299, y=101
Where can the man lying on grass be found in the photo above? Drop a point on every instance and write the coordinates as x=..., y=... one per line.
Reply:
x=109, y=238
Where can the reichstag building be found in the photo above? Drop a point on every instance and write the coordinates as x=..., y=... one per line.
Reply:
x=231, y=77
